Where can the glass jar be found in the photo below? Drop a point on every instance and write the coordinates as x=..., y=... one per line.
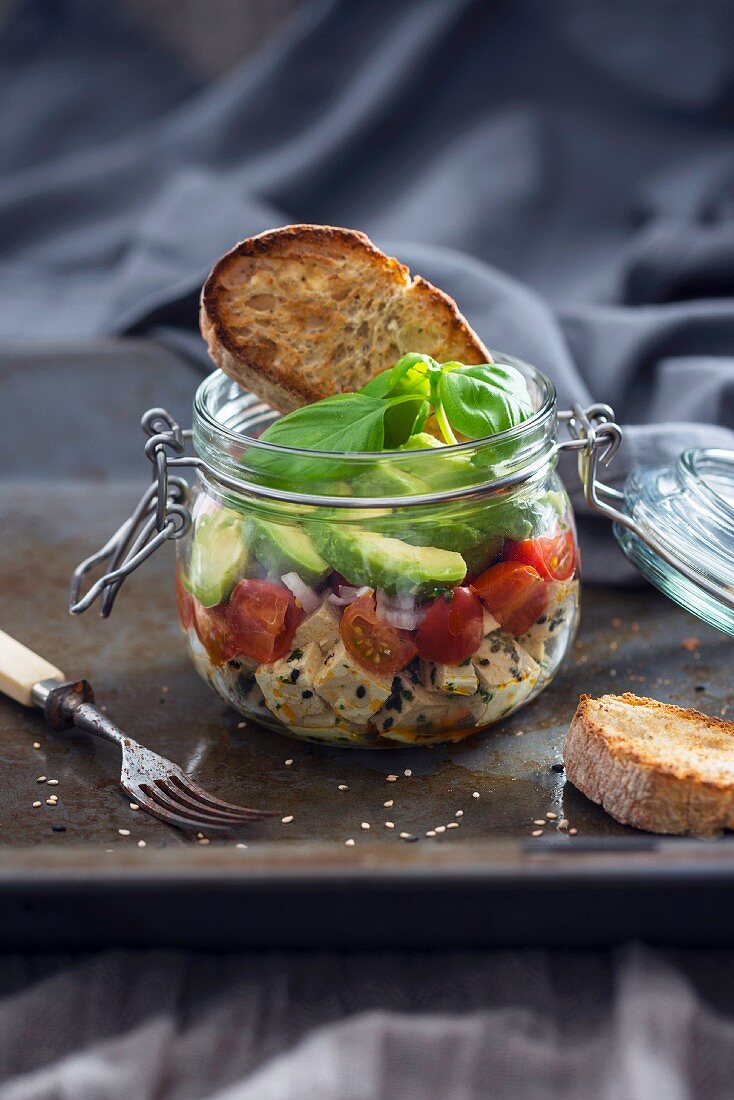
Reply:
x=404, y=598
x=335, y=598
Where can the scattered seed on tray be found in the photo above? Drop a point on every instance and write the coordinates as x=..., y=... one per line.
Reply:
x=700, y=687
x=241, y=846
x=36, y=744
x=241, y=725
x=538, y=821
x=134, y=806
x=288, y=763
x=365, y=825
x=475, y=794
x=58, y=828
x=563, y=823
x=551, y=816
x=431, y=832
x=407, y=773
x=537, y=832
x=199, y=836
x=50, y=801
x=389, y=824
x=52, y=783
x=453, y=825
x=459, y=813
x=343, y=787
x=124, y=832
x=572, y=832
x=287, y=819
x=404, y=836
x=440, y=828
x=391, y=778
x=204, y=840
x=41, y=779
x=165, y=689
x=349, y=843
x=36, y=804
x=388, y=804
x=141, y=844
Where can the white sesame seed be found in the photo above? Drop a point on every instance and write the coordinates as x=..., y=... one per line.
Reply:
x=41, y=779
x=475, y=794
x=241, y=846
x=51, y=801
x=241, y=725
x=37, y=804
x=431, y=832
x=141, y=844
x=343, y=787
x=52, y=783
x=349, y=843
x=391, y=778
x=287, y=819
x=388, y=804
x=563, y=823
x=572, y=832
x=165, y=689
x=459, y=813
x=404, y=836
x=36, y=744
x=389, y=824
x=407, y=773
x=53, y=798
x=440, y=828
x=124, y=832
x=204, y=840
x=537, y=832
x=134, y=806
x=453, y=825
x=551, y=816
x=288, y=763
x=365, y=824
x=539, y=821
x=199, y=836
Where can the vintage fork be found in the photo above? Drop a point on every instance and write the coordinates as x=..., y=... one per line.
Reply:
x=154, y=783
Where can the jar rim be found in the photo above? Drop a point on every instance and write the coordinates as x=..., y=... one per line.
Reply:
x=219, y=430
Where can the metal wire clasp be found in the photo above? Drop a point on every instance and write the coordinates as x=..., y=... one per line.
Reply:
x=160, y=514
x=596, y=436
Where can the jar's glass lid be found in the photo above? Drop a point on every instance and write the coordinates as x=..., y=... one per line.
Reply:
x=682, y=532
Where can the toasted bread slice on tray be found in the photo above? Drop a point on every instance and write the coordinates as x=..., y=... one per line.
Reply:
x=299, y=313
x=653, y=765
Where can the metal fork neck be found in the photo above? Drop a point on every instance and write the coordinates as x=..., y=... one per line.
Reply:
x=72, y=704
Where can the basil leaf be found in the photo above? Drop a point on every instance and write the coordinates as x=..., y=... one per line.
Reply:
x=409, y=375
x=345, y=422
x=483, y=400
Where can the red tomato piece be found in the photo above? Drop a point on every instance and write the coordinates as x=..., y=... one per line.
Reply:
x=210, y=624
x=375, y=645
x=452, y=628
x=184, y=602
x=262, y=618
x=553, y=558
x=516, y=594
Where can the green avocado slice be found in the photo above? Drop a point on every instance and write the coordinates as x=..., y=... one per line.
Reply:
x=286, y=548
x=366, y=558
x=219, y=556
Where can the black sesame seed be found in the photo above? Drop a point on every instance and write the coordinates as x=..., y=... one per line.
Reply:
x=307, y=695
x=700, y=687
x=361, y=691
x=387, y=723
x=558, y=767
x=58, y=828
x=295, y=673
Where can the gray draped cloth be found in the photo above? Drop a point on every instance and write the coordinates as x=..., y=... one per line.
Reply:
x=566, y=171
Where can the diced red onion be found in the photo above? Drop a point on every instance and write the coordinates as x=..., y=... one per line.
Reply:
x=347, y=594
x=400, y=612
x=308, y=599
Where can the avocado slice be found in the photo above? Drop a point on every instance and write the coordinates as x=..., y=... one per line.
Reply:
x=385, y=479
x=219, y=556
x=285, y=548
x=365, y=557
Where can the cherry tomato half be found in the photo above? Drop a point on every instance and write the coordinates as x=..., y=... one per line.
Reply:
x=375, y=645
x=553, y=558
x=516, y=594
x=262, y=618
x=452, y=628
x=210, y=624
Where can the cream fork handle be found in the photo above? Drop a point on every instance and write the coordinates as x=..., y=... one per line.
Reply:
x=21, y=668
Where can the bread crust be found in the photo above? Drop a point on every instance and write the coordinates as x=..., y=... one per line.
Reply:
x=644, y=785
x=277, y=311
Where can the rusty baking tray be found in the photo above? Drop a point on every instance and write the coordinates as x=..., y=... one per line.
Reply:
x=68, y=878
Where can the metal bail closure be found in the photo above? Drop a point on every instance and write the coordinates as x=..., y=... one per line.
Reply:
x=160, y=514
x=675, y=524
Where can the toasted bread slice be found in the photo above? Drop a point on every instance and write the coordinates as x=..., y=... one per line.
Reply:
x=653, y=765
x=297, y=314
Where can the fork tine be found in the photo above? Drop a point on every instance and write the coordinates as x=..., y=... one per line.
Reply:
x=199, y=816
x=179, y=793
x=160, y=811
x=190, y=785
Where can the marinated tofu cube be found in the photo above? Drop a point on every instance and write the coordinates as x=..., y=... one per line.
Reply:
x=490, y=624
x=354, y=693
x=288, y=686
x=506, y=673
x=559, y=615
x=412, y=708
x=452, y=679
x=321, y=627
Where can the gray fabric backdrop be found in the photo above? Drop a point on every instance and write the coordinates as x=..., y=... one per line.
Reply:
x=566, y=170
